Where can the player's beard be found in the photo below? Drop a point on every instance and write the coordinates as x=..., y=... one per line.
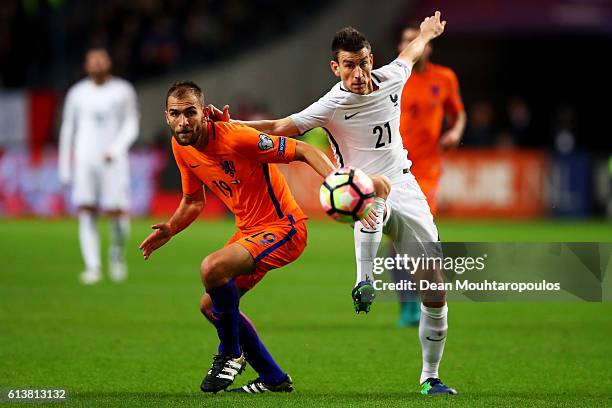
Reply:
x=100, y=77
x=187, y=138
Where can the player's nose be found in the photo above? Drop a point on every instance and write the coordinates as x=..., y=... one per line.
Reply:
x=182, y=120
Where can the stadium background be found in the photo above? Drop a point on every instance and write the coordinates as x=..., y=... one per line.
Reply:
x=535, y=165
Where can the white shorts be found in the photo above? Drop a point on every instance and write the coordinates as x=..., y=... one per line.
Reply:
x=409, y=221
x=103, y=185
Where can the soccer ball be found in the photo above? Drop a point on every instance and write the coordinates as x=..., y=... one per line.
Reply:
x=347, y=195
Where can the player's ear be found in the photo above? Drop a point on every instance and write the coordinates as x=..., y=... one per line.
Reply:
x=372, y=59
x=166, y=116
x=334, y=67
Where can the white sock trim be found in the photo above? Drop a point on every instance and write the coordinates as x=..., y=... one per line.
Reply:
x=435, y=312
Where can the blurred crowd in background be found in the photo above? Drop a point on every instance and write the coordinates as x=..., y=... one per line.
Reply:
x=520, y=81
x=145, y=37
x=42, y=44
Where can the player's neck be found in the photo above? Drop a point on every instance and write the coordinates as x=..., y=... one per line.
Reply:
x=371, y=87
x=100, y=80
x=420, y=66
x=202, y=141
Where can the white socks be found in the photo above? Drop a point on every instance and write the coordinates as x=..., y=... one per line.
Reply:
x=90, y=244
x=89, y=240
x=120, y=227
x=432, y=334
x=367, y=241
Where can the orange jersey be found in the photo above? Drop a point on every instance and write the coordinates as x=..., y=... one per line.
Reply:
x=235, y=166
x=426, y=98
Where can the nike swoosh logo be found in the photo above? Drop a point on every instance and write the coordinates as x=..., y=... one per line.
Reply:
x=430, y=339
x=193, y=166
x=347, y=117
x=235, y=182
x=368, y=232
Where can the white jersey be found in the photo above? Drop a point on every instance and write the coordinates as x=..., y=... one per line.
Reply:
x=98, y=120
x=363, y=130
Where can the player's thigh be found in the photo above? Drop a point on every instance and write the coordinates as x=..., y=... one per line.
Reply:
x=410, y=224
x=86, y=184
x=272, y=247
x=115, y=185
x=225, y=264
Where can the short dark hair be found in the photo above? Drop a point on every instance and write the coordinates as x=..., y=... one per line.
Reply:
x=183, y=88
x=348, y=39
x=97, y=48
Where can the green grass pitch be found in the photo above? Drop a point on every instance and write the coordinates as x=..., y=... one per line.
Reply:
x=144, y=343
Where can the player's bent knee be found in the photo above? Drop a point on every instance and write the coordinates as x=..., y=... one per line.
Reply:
x=212, y=271
x=207, y=269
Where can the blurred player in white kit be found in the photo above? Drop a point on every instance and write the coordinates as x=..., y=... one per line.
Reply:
x=100, y=122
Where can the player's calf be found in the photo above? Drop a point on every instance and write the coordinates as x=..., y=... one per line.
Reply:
x=206, y=307
x=218, y=271
x=430, y=280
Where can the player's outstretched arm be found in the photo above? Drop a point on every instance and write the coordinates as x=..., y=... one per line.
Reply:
x=278, y=127
x=315, y=158
x=188, y=210
x=430, y=28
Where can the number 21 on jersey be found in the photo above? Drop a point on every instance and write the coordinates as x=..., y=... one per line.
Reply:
x=380, y=132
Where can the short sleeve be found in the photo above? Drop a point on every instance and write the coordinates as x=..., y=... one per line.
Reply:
x=189, y=181
x=397, y=70
x=253, y=144
x=453, y=103
x=318, y=114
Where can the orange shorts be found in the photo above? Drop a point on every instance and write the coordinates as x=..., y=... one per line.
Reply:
x=271, y=246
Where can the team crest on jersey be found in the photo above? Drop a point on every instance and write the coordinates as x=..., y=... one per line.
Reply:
x=435, y=90
x=394, y=99
x=228, y=167
x=265, y=142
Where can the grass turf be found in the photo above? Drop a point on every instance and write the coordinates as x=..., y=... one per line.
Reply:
x=144, y=342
